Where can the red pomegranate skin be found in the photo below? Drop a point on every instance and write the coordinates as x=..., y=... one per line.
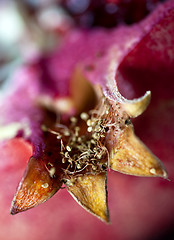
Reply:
x=140, y=208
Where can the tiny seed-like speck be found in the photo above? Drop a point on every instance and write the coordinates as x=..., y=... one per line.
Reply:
x=89, y=122
x=66, y=133
x=89, y=129
x=52, y=171
x=78, y=166
x=68, y=148
x=63, y=160
x=45, y=185
x=84, y=116
x=73, y=119
x=153, y=171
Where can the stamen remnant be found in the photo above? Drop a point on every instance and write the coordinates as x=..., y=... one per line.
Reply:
x=85, y=151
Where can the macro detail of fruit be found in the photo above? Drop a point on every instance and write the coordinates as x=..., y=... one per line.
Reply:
x=81, y=83
x=78, y=151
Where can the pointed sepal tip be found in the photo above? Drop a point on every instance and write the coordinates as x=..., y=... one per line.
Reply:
x=36, y=187
x=91, y=193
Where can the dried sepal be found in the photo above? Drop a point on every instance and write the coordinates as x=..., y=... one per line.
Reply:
x=82, y=92
x=130, y=156
x=36, y=187
x=136, y=107
x=127, y=154
x=133, y=107
x=90, y=192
